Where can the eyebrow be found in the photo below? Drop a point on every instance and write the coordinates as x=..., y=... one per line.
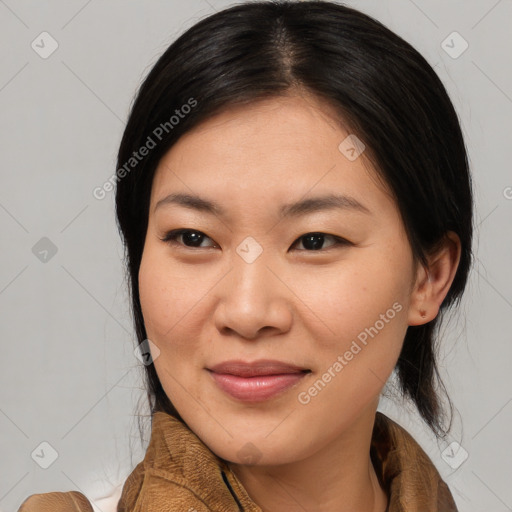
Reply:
x=302, y=207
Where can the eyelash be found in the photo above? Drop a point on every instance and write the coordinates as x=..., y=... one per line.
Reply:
x=171, y=236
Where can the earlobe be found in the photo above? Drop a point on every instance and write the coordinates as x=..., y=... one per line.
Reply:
x=433, y=283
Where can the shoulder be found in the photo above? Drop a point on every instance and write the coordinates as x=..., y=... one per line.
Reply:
x=72, y=501
x=406, y=471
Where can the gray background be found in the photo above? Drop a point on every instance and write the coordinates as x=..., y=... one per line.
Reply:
x=68, y=373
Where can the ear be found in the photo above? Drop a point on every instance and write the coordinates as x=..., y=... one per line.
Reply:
x=433, y=283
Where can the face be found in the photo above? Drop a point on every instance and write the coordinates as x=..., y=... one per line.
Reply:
x=320, y=289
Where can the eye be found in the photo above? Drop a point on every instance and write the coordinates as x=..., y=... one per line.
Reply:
x=190, y=238
x=194, y=239
x=314, y=241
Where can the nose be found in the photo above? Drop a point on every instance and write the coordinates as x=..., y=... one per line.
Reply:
x=253, y=300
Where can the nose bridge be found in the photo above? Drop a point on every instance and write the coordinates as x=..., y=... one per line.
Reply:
x=252, y=285
x=252, y=297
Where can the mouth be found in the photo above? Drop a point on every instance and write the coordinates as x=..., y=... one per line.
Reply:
x=256, y=381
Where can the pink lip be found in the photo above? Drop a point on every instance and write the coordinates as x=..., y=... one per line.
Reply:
x=256, y=381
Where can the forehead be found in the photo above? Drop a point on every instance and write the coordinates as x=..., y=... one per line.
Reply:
x=274, y=150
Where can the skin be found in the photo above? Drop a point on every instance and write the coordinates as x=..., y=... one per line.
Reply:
x=205, y=304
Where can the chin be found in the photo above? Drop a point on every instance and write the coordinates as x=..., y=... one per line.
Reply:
x=250, y=450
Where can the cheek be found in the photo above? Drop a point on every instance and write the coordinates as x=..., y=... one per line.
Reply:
x=363, y=310
x=169, y=298
x=344, y=301
x=171, y=308
x=366, y=314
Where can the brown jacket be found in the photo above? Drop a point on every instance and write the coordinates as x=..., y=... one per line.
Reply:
x=179, y=473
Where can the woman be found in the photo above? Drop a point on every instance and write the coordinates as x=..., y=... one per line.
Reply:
x=294, y=196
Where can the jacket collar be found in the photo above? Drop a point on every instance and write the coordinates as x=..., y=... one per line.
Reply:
x=175, y=453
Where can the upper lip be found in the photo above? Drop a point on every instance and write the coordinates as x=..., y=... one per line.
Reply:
x=255, y=368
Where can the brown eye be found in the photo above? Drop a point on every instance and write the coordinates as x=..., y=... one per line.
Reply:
x=189, y=238
x=315, y=241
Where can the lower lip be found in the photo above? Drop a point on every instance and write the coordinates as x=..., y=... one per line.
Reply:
x=256, y=389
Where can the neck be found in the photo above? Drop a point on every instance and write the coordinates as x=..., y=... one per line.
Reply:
x=338, y=478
